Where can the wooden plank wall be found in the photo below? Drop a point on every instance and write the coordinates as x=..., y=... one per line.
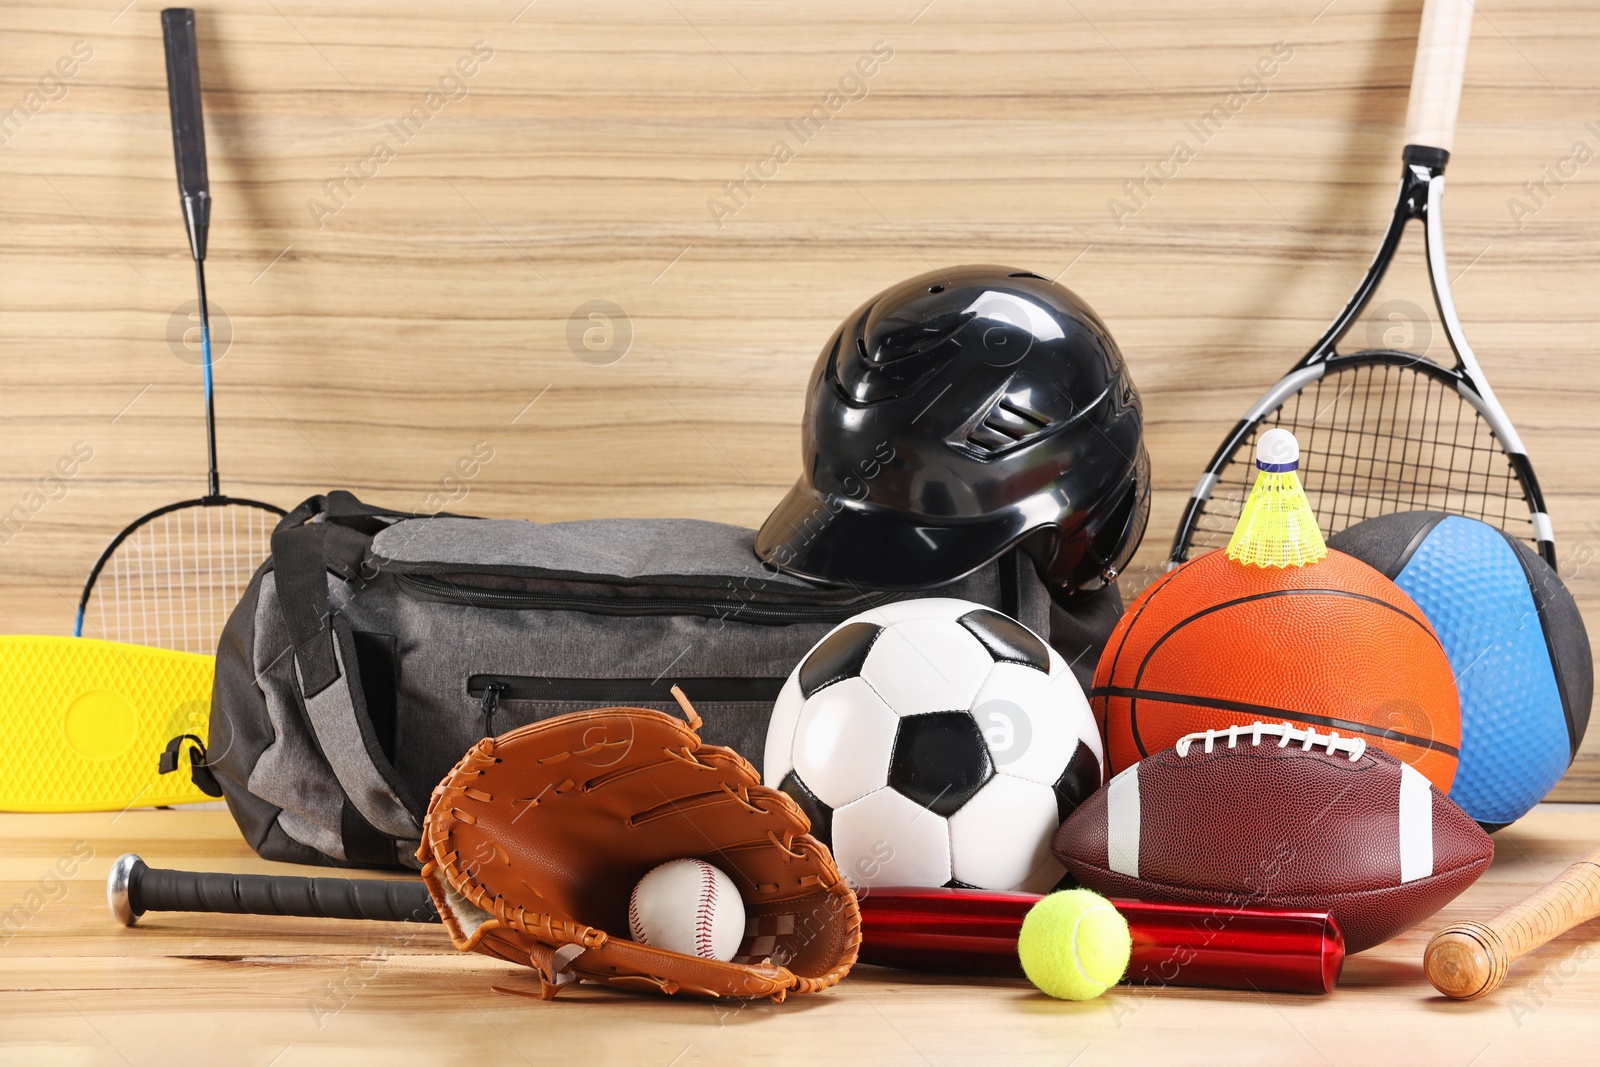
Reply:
x=399, y=289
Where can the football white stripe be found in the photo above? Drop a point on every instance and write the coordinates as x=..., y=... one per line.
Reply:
x=1416, y=825
x=1122, y=823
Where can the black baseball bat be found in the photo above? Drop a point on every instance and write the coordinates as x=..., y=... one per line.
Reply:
x=132, y=889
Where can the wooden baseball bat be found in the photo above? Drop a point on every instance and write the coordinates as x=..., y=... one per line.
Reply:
x=1469, y=960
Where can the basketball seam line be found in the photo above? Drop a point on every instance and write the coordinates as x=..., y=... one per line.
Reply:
x=1133, y=713
x=1221, y=704
x=1116, y=658
x=1161, y=583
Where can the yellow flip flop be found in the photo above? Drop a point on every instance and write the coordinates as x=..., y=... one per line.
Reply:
x=84, y=723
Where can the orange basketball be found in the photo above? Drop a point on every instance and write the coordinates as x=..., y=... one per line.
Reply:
x=1334, y=646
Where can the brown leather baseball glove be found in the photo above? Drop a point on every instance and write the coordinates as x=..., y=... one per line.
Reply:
x=533, y=843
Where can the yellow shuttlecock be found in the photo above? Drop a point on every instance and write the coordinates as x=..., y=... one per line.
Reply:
x=1276, y=527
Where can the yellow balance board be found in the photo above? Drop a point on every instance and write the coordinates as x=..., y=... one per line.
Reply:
x=83, y=723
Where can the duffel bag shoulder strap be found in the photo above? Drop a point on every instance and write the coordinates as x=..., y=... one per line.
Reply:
x=303, y=552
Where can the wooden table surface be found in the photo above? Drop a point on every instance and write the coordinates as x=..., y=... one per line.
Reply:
x=78, y=988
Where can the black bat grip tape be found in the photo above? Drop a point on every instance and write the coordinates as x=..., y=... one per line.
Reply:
x=157, y=889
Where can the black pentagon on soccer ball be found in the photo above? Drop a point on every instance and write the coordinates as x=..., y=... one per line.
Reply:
x=820, y=814
x=940, y=760
x=1007, y=640
x=1081, y=778
x=839, y=656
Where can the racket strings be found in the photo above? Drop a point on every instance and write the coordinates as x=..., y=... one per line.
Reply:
x=1377, y=439
x=174, y=580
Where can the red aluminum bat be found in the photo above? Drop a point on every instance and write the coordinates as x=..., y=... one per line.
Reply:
x=974, y=931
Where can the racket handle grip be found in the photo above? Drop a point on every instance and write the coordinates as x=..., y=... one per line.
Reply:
x=188, y=127
x=133, y=889
x=1470, y=959
x=1436, y=76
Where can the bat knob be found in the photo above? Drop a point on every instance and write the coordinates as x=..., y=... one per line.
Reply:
x=119, y=888
x=1466, y=961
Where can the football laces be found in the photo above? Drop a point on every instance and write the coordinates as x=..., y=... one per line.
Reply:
x=1286, y=733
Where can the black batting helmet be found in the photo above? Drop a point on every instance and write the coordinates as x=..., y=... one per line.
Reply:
x=957, y=415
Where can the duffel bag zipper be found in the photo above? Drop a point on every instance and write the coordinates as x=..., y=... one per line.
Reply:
x=491, y=689
x=709, y=607
x=490, y=704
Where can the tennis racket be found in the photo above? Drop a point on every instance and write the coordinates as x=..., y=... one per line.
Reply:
x=1384, y=430
x=171, y=578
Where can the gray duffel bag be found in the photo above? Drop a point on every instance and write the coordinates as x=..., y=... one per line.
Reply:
x=374, y=647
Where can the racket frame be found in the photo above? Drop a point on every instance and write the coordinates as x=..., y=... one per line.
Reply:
x=216, y=501
x=1420, y=197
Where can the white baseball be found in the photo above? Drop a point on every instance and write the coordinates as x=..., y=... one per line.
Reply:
x=688, y=906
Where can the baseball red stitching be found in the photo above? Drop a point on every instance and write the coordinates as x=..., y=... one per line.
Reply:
x=704, y=913
x=635, y=924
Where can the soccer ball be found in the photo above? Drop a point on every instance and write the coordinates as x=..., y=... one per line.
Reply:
x=935, y=743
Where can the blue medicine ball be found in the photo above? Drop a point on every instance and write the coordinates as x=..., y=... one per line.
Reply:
x=1516, y=643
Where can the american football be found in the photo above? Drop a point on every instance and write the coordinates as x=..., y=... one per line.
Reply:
x=935, y=742
x=1271, y=814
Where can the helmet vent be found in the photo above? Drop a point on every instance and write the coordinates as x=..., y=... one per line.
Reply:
x=1007, y=423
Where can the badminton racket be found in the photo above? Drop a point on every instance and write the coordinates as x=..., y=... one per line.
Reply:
x=171, y=578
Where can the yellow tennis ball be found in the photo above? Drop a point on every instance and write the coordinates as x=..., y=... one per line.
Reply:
x=1074, y=944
